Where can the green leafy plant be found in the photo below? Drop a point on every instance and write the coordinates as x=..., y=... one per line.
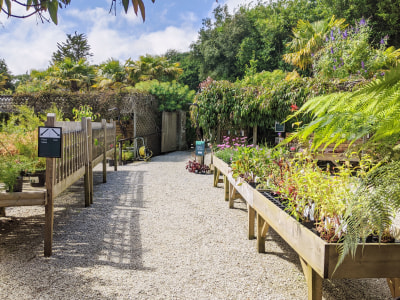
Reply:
x=84, y=111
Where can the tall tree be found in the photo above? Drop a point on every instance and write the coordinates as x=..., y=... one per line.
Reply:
x=76, y=47
x=190, y=67
x=110, y=75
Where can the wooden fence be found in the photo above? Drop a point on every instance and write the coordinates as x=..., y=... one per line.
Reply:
x=84, y=145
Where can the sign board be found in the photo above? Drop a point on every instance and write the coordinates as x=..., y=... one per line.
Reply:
x=200, y=148
x=49, y=141
x=279, y=127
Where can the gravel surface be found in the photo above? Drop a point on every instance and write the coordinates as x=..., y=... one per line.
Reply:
x=155, y=231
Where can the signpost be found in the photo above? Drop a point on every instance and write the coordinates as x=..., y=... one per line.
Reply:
x=200, y=149
x=50, y=139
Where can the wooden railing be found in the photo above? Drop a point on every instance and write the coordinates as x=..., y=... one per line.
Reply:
x=84, y=145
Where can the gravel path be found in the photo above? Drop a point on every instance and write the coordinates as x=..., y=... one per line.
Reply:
x=155, y=231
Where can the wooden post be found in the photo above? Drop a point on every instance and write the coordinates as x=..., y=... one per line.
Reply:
x=216, y=176
x=255, y=135
x=49, y=207
x=394, y=285
x=90, y=154
x=232, y=193
x=262, y=229
x=86, y=158
x=226, y=187
x=104, y=126
x=314, y=281
x=120, y=153
x=115, y=144
x=251, y=220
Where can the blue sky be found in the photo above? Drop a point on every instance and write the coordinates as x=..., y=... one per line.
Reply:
x=28, y=44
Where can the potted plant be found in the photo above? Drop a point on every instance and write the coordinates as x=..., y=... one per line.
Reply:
x=10, y=173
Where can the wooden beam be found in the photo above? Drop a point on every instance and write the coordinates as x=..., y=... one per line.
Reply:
x=314, y=281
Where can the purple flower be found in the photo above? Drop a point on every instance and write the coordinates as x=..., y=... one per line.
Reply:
x=312, y=54
x=383, y=74
x=362, y=22
x=362, y=64
x=331, y=50
x=334, y=60
x=326, y=40
x=345, y=34
x=382, y=41
x=334, y=68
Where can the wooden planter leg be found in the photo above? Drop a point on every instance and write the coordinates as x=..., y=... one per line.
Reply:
x=314, y=281
x=394, y=285
x=232, y=193
x=216, y=176
x=251, y=220
x=262, y=230
x=226, y=188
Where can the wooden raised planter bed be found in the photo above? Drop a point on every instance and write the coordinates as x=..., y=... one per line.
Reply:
x=318, y=258
x=235, y=191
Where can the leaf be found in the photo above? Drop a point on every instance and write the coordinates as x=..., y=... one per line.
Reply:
x=135, y=6
x=8, y=3
x=1, y=4
x=142, y=9
x=28, y=4
x=125, y=3
x=53, y=9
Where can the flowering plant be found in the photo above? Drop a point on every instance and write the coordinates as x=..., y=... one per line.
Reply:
x=349, y=53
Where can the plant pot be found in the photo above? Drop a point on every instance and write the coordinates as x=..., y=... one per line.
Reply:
x=41, y=175
x=17, y=186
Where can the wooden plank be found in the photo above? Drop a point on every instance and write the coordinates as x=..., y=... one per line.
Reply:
x=23, y=202
x=371, y=261
x=22, y=199
x=221, y=165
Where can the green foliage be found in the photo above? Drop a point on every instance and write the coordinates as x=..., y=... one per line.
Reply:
x=10, y=170
x=84, y=111
x=172, y=95
x=371, y=111
x=348, y=53
x=308, y=39
x=150, y=67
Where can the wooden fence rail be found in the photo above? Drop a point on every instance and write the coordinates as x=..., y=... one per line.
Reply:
x=84, y=145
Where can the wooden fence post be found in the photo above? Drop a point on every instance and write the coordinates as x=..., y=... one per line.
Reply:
x=115, y=144
x=49, y=207
x=86, y=158
x=90, y=153
x=104, y=126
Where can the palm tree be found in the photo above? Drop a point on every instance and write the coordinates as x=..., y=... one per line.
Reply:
x=71, y=75
x=152, y=67
x=111, y=75
x=308, y=38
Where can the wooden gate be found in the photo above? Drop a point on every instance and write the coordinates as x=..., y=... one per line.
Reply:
x=169, y=132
